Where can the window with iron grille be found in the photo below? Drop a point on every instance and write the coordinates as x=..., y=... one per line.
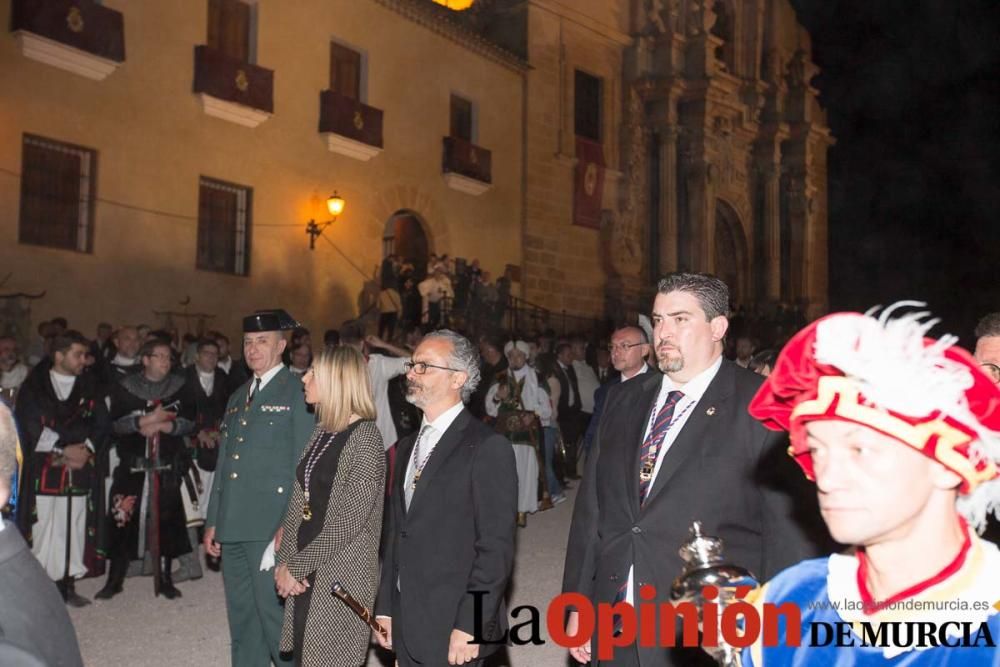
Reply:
x=58, y=188
x=587, y=106
x=224, y=227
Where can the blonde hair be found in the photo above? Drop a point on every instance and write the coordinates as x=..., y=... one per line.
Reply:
x=341, y=376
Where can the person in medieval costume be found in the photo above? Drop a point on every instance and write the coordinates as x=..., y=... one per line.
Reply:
x=521, y=408
x=205, y=389
x=65, y=423
x=901, y=434
x=150, y=420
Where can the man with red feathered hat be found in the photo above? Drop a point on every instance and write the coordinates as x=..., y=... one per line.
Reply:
x=901, y=434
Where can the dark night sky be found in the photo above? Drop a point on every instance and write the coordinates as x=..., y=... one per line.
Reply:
x=912, y=93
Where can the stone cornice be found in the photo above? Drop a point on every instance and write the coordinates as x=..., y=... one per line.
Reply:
x=430, y=17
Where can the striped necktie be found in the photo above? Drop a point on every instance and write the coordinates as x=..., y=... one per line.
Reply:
x=650, y=450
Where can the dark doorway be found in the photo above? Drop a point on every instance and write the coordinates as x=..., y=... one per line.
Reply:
x=731, y=252
x=405, y=237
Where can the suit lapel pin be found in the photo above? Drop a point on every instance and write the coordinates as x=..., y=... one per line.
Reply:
x=710, y=411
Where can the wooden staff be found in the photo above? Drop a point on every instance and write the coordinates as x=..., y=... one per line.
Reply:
x=359, y=609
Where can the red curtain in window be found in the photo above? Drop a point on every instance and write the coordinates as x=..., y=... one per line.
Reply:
x=588, y=192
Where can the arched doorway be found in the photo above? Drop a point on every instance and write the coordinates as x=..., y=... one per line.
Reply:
x=404, y=236
x=731, y=252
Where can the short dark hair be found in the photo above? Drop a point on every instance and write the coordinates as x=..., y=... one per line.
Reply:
x=352, y=331
x=493, y=341
x=163, y=335
x=218, y=335
x=150, y=346
x=66, y=340
x=711, y=292
x=761, y=359
x=331, y=337
x=562, y=346
x=59, y=322
x=207, y=342
x=988, y=326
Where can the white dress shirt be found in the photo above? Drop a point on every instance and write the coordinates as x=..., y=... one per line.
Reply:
x=381, y=369
x=430, y=434
x=642, y=369
x=207, y=381
x=264, y=379
x=586, y=380
x=570, y=394
x=693, y=391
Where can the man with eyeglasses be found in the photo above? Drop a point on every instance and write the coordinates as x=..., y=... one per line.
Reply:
x=449, y=547
x=629, y=348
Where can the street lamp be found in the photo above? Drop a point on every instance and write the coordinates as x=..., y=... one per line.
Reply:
x=335, y=205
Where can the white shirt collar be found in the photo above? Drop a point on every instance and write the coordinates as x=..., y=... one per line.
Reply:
x=642, y=369
x=444, y=420
x=125, y=362
x=696, y=386
x=210, y=374
x=63, y=384
x=226, y=364
x=269, y=375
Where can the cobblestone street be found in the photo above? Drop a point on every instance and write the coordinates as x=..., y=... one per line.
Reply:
x=137, y=629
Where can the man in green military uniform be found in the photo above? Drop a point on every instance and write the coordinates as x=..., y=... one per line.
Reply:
x=265, y=428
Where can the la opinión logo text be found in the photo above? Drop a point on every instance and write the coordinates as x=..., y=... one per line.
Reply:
x=735, y=622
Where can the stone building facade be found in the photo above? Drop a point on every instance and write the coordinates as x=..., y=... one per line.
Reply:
x=712, y=143
x=133, y=89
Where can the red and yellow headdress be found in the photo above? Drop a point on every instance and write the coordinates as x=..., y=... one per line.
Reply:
x=885, y=374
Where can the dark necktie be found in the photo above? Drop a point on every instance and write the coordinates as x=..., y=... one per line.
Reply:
x=253, y=391
x=651, y=445
x=416, y=467
x=571, y=376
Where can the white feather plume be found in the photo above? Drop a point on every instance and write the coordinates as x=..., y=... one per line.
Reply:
x=894, y=370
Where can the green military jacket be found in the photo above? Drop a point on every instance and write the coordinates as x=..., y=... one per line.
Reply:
x=258, y=452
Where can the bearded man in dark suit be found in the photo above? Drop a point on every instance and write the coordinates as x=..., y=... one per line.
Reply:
x=672, y=449
x=452, y=514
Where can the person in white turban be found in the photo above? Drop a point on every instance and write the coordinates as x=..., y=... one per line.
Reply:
x=521, y=407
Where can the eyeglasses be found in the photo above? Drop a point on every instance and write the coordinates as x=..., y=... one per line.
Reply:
x=420, y=367
x=623, y=347
x=992, y=370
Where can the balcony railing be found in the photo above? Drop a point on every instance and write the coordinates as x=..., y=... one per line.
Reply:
x=231, y=80
x=466, y=159
x=350, y=118
x=82, y=24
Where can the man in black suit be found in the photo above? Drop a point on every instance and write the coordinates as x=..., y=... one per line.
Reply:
x=205, y=387
x=452, y=516
x=570, y=406
x=628, y=349
x=33, y=618
x=672, y=449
